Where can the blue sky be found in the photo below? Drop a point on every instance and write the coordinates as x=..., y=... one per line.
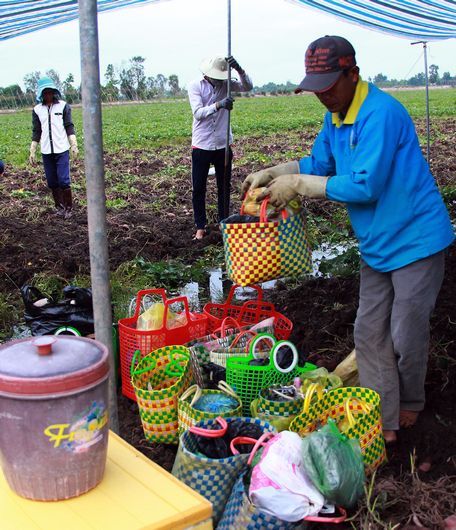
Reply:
x=269, y=38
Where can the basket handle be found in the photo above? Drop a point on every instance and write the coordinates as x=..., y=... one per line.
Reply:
x=170, y=301
x=242, y=334
x=252, y=441
x=335, y=520
x=225, y=387
x=223, y=327
x=211, y=433
x=191, y=390
x=313, y=387
x=146, y=292
x=275, y=350
x=257, y=304
x=264, y=211
x=257, y=288
x=260, y=442
x=136, y=359
x=365, y=407
x=175, y=363
x=260, y=337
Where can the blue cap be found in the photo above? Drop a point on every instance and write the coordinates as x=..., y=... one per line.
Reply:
x=43, y=83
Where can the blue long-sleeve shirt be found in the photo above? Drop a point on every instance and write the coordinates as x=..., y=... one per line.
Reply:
x=377, y=169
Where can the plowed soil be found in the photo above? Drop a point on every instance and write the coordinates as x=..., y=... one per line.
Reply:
x=156, y=223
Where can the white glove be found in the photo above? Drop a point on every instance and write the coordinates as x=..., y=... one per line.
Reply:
x=285, y=188
x=73, y=146
x=265, y=176
x=32, y=156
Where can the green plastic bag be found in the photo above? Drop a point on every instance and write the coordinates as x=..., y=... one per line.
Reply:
x=334, y=464
x=322, y=377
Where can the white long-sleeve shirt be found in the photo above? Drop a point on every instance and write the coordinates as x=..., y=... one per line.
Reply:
x=209, y=124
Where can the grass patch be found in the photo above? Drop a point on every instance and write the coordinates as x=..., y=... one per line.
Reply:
x=172, y=275
x=9, y=314
x=169, y=123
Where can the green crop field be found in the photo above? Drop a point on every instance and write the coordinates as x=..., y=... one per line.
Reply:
x=145, y=125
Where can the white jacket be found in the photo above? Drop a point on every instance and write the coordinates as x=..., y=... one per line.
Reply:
x=52, y=126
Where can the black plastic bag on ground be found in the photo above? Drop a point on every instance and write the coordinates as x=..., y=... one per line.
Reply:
x=74, y=310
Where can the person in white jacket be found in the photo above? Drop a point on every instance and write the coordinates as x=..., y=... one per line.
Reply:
x=53, y=128
x=210, y=105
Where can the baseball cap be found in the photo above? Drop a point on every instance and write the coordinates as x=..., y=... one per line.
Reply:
x=326, y=59
x=215, y=67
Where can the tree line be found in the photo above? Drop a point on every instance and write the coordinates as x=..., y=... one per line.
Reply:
x=125, y=83
x=129, y=82
x=380, y=79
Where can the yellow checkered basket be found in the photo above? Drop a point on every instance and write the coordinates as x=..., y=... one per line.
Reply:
x=262, y=251
x=359, y=409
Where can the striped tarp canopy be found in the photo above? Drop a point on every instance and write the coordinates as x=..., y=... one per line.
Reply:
x=416, y=19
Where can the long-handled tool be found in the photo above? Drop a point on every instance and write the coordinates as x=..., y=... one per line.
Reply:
x=226, y=176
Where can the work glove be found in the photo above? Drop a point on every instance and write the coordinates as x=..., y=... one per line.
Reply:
x=262, y=178
x=226, y=103
x=234, y=64
x=32, y=156
x=285, y=188
x=73, y=146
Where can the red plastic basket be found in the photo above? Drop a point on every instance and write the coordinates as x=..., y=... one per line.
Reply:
x=248, y=313
x=132, y=339
x=218, y=312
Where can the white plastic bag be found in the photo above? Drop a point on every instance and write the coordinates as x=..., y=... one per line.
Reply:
x=280, y=485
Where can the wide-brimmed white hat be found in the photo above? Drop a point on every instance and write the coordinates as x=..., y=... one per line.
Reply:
x=216, y=67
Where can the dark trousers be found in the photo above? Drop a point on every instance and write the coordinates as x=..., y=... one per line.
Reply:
x=201, y=161
x=57, y=170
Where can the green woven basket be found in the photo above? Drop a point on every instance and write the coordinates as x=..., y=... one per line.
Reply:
x=158, y=381
x=247, y=380
x=278, y=413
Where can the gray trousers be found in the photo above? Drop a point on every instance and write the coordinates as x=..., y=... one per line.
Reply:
x=392, y=333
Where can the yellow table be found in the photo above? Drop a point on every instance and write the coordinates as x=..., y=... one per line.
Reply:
x=135, y=494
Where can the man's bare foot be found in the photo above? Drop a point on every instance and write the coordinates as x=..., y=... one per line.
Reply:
x=407, y=418
x=390, y=437
x=200, y=233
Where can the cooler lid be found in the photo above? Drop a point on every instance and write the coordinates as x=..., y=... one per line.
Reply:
x=50, y=364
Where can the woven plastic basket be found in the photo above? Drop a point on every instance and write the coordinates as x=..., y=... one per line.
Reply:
x=188, y=415
x=248, y=380
x=132, y=339
x=158, y=381
x=249, y=313
x=365, y=426
x=210, y=477
x=278, y=413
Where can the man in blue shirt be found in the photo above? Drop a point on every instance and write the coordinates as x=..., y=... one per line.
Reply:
x=368, y=156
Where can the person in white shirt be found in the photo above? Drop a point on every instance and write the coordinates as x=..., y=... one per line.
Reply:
x=210, y=106
x=52, y=127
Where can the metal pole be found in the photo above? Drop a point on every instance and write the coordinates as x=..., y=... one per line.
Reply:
x=226, y=186
x=428, y=121
x=95, y=189
x=428, y=125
